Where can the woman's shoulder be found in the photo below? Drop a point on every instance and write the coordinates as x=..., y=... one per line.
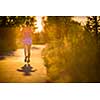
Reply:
x=27, y=29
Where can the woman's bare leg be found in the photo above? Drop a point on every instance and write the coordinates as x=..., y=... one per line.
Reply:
x=29, y=52
x=25, y=52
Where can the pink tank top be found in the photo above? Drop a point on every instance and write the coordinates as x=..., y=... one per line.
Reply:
x=27, y=33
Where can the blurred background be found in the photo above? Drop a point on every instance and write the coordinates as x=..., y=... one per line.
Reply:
x=72, y=44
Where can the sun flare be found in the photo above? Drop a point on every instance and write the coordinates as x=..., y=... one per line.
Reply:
x=38, y=24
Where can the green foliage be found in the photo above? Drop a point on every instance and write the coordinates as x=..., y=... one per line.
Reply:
x=13, y=21
x=93, y=25
x=72, y=58
x=56, y=27
x=7, y=39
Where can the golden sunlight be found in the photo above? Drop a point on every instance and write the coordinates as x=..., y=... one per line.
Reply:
x=38, y=24
x=80, y=19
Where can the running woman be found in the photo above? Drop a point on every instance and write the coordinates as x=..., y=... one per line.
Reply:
x=27, y=41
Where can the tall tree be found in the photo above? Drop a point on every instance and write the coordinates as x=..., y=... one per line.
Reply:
x=57, y=26
x=11, y=21
x=93, y=26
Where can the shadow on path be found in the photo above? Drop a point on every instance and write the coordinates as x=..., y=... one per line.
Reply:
x=35, y=47
x=13, y=69
x=2, y=57
x=27, y=69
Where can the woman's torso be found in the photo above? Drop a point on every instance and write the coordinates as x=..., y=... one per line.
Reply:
x=27, y=32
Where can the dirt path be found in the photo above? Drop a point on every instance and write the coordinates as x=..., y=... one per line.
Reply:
x=9, y=66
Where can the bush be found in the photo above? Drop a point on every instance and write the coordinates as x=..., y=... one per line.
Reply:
x=7, y=39
x=72, y=59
